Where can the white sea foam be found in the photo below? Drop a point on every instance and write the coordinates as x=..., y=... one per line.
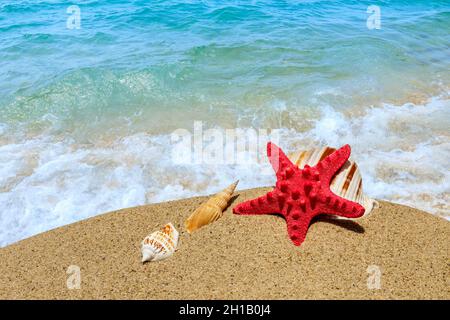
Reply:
x=403, y=151
x=48, y=181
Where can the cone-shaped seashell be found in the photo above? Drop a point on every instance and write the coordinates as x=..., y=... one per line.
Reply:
x=347, y=183
x=211, y=210
x=160, y=244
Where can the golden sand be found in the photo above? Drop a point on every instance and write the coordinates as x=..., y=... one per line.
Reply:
x=237, y=257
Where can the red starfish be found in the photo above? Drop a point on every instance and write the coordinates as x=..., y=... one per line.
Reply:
x=301, y=194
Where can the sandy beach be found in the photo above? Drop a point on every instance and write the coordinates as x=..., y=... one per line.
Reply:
x=238, y=257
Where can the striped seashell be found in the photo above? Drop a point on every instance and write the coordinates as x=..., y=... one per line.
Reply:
x=347, y=183
x=160, y=244
x=211, y=210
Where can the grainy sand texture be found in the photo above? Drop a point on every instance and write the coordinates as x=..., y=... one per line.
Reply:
x=396, y=252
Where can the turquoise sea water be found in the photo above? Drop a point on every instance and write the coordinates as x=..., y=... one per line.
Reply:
x=86, y=115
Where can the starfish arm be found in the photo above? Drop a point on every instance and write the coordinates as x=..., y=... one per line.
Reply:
x=266, y=204
x=297, y=229
x=342, y=207
x=279, y=161
x=332, y=163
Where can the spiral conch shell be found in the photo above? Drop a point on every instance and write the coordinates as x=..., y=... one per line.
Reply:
x=160, y=244
x=347, y=183
x=211, y=210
